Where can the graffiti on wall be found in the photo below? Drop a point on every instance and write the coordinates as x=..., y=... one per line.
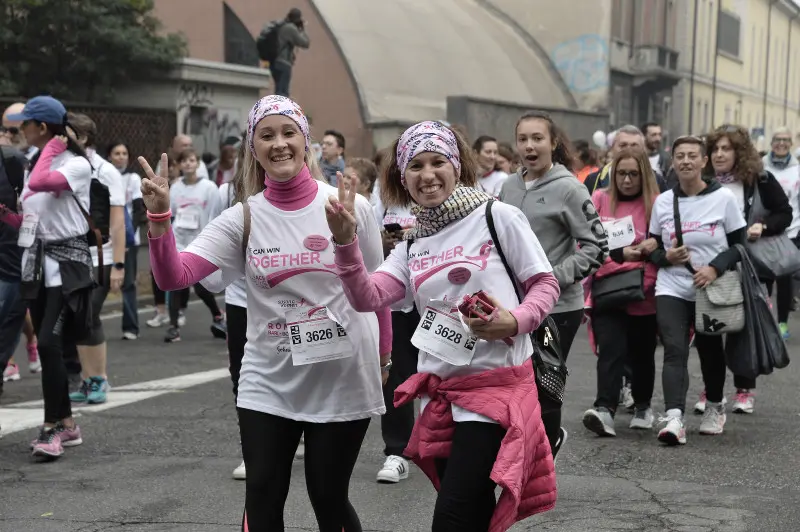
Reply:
x=583, y=62
x=200, y=117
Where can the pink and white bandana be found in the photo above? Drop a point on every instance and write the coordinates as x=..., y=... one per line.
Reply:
x=276, y=105
x=427, y=136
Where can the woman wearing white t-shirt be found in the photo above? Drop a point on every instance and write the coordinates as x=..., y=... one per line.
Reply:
x=56, y=260
x=194, y=203
x=477, y=383
x=711, y=224
x=490, y=179
x=311, y=365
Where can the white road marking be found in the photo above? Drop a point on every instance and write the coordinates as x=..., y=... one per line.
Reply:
x=27, y=415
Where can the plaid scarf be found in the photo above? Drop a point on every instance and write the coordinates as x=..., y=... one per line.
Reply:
x=431, y=220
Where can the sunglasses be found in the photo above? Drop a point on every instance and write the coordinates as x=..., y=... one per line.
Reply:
x=10, y=130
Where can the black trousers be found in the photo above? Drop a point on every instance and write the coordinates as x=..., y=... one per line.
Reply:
x=622, y=338
x=466, y=498
x=397, y=423
x=51, y=321
x=675, y=318
x=177, y=298
x=159, y=296
x=237, y=337
x=568, y=324
x=268, y=445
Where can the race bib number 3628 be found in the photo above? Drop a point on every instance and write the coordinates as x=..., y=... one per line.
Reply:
x=441, y=334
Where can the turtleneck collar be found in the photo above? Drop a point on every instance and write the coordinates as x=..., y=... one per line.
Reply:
x=294, y=194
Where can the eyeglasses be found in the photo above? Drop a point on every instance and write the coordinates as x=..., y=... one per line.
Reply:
x=10, y=130
x=632, y=174
x=783, y=140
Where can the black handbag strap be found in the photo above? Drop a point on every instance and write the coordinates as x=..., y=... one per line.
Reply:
x=496, y=241
x=676, y=219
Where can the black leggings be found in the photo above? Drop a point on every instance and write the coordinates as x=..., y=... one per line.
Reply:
x=397, y=423
x=622, y=338
x=568, y=324
x=51, y=320
x=268, y=445
x=466, y=499
x=159, y=296
x=177, y=297
x=237, y=337
x=675, y=317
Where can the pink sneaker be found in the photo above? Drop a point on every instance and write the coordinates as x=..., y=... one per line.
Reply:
x=48, y=445
x=69, y=437
x=11, y=373
x=34, y=364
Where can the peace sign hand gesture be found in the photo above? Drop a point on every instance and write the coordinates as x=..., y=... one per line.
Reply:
x=155, y=188
x=341, y=211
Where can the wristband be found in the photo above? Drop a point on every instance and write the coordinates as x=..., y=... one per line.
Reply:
x=387, y=366
x=159, y=217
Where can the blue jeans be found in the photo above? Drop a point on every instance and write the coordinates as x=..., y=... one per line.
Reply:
x=130, y=306
x=282, y=76
x=12, y=318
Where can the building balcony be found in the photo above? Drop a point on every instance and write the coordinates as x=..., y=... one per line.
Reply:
x=654, y=65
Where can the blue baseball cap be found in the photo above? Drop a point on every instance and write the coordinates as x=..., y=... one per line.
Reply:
x=42, y=109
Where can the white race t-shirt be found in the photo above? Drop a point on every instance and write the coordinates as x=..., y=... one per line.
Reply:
x=492, y=183
x=706, y=220
x=133, y=191
x=397, y=215
x=737, y=188
x=236, y=292
x=467, y=245
x=193, y=206
x=789, y=178
x=284, y=270
x=59, y=215
x=107, y=174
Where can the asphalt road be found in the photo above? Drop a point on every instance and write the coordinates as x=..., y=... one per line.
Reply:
x=159, y=458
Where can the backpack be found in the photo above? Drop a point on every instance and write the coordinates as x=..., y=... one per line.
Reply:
x=267, y=43
x=99, y=215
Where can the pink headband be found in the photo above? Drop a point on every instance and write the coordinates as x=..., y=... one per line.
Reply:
x=276, y=105
x=427, y=136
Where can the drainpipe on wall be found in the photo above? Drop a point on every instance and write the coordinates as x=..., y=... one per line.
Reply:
x=788, y=71
x=691, y=74
x=716, y=60
x=766, y=74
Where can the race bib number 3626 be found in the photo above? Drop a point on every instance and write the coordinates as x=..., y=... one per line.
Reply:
x=315, y=336
x=441, y=334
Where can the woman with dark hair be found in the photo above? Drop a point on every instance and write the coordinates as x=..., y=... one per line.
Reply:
x=690, y=257
x=586, y=160
x=625, y=331
x=480, y=419
x=57, y=272
x=564, y=219
x=490, y=179
x=735, y=163
x=507, y=161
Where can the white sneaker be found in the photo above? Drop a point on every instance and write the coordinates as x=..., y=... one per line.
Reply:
x=700, y=405
x=181, y=318
x=744, y=402
x=11, y=373
x=127, y=335
x=239, y=473
x=159, y=320
x=626, y=396
x=300, y=453
x=599, y=421
x=643, y=419
x=673, y=433
x=713, y=419
x=394, y=469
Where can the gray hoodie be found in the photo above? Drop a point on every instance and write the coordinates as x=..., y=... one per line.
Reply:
x=562, y=215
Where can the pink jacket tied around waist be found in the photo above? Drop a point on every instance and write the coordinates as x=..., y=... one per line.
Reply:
x=524, y=466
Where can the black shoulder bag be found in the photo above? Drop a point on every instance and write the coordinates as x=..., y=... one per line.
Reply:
x=548, y=359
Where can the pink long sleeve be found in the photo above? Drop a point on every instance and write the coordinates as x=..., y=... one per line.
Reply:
x=541, y=295
x=42, y=178
x=11, y=218
x=385, y=332
x=366, y=292
x=173, y=270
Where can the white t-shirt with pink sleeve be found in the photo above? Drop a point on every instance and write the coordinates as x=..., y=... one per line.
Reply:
x=290, y=264
x=460, y=260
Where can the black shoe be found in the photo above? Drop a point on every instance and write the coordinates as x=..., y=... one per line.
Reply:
x=173, y=335
x=562, y=439
x=219, y=328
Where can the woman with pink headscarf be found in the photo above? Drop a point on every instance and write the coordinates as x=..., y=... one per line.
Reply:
x=481, y=422
x=312, y=364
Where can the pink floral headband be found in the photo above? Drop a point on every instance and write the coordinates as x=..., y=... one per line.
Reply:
x=427, y=136
x=276, y=105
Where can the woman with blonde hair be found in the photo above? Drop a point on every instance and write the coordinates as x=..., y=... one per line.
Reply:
x=625, y=326
x=312, y=365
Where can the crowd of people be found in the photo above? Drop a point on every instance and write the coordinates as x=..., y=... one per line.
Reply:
x=355, y=286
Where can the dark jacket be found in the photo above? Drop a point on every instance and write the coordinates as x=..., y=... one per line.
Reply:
x=12, y=173
x=775, y=202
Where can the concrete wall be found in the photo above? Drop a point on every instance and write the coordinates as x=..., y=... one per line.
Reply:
x=575, y=35
x=485, y=117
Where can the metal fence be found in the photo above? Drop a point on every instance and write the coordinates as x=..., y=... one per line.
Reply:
x=147, y=132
